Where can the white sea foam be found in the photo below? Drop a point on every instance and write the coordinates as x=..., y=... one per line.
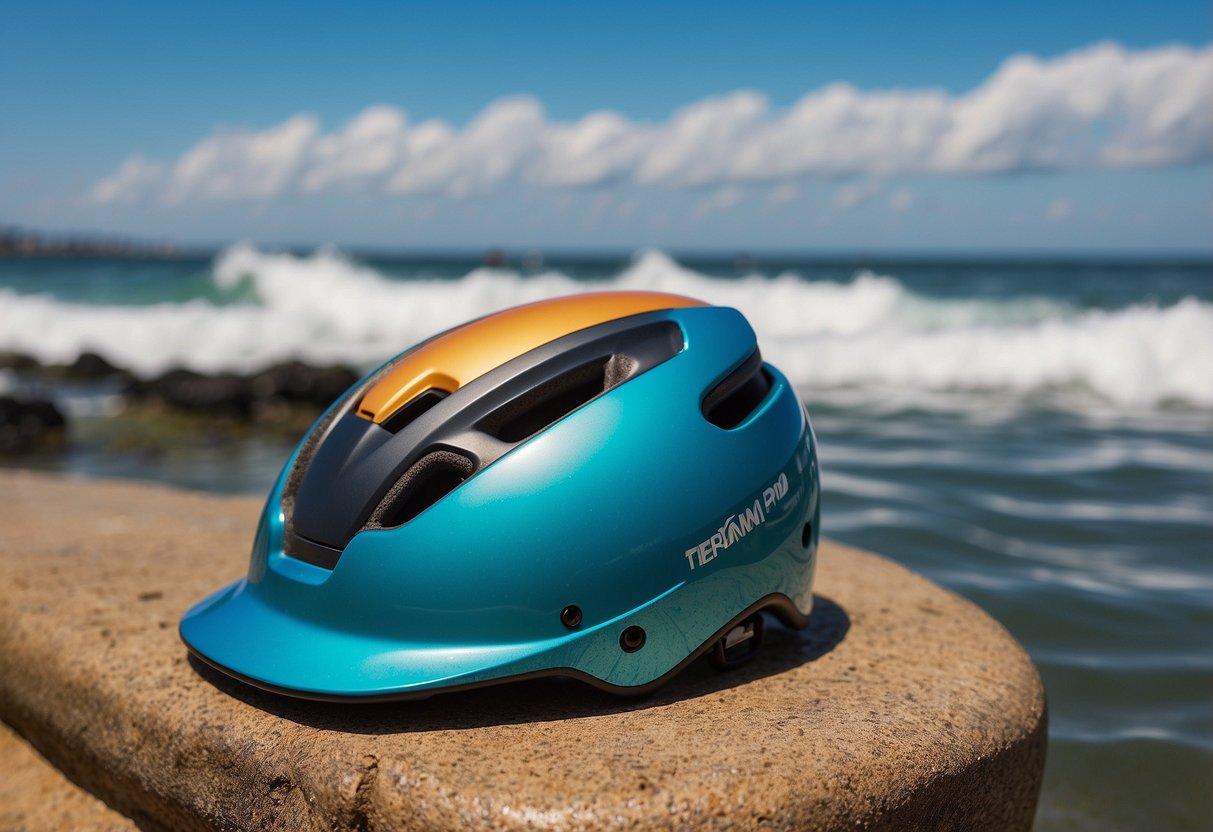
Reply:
x=869, y=334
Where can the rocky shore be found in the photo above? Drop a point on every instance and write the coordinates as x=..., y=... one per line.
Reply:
x=290, y=393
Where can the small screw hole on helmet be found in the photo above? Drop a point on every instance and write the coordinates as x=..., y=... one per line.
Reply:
x=630, y=451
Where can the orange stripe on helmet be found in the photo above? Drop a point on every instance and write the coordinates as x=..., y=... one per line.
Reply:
x=452, y=360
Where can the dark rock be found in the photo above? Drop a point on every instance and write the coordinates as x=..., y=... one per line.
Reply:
x=300, y=383
x=223, y=395
x=245, y=397
x=18, y=361
x=27, y=423
x=90, y=365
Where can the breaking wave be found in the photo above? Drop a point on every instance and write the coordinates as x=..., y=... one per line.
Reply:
x=870, y=334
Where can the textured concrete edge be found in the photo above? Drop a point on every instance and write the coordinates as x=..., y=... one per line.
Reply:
x=28, y=709
x=243, y=791
x=947, y=802
x=946, y=799
x=89, y=771
x=35, y=795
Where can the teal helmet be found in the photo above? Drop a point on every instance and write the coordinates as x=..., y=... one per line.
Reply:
x=604, y=486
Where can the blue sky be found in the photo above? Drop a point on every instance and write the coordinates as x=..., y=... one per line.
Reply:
x=89, y=88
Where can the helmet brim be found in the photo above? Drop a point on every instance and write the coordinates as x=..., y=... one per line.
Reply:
x=287, y=655
x=237, y=632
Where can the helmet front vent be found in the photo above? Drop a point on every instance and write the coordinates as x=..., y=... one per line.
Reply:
x=408, y=414
x=424, y=483
x=552, y=400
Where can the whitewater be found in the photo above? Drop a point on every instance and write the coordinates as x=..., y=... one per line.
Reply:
x=869, y=335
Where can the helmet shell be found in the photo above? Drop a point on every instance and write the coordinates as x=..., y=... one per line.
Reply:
x=633, y=507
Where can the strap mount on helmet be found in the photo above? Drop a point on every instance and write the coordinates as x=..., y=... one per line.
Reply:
x=740, y=644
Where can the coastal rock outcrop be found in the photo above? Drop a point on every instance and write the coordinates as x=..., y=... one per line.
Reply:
x=245, y=396
x=27, y=423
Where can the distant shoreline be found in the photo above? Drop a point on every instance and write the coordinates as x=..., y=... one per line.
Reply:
x=19, y=244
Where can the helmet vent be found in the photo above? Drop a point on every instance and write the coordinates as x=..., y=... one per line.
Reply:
x=738, y=395
x=419, y=404
x=557, y=397
x=424, y=483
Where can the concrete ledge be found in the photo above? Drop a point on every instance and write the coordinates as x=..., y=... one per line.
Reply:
x=902, y=706
x=35, y=796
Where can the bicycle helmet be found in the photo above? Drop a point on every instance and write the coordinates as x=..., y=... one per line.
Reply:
x=603, y=486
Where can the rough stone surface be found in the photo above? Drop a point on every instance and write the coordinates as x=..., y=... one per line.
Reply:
x=35, y=796
x=902, y=706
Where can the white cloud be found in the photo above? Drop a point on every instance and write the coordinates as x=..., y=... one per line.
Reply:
x=493, y=147
x=700, y=144
x=600, y=147
x=131, y=182
x=237, y=165
x=371, y=145
x=841, y=130
x=1101, y=106
x=1097, y=106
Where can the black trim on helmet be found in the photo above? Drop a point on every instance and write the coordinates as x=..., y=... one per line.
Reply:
x=781, y=605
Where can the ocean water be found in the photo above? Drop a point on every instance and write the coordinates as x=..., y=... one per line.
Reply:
x=1036, y=436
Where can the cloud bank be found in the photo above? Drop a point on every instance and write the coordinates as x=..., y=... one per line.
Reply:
x=1098, y=107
